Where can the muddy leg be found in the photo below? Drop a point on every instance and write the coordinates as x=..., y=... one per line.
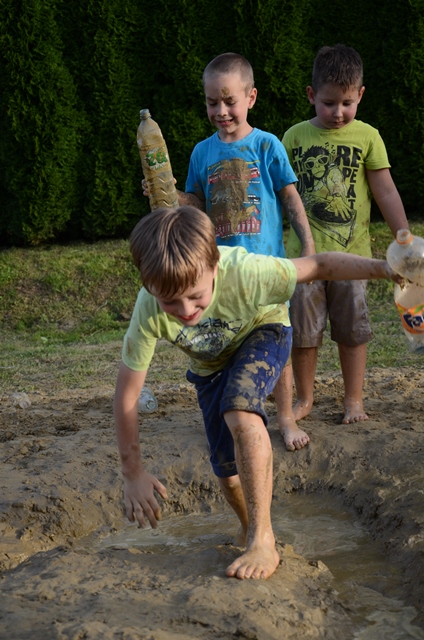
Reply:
x=304, y=368
x=231, y=488
x=253, y=455
x=294, y=438
x=353, y=361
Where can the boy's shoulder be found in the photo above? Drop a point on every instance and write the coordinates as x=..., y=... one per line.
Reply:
x=207, y=141
x=231, y=255
x=235, y=260
x=307, y=128
x=255, y=136
x=238, y=258
x=299, y=127
x=305, y=135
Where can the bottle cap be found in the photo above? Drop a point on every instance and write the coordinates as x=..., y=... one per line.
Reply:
x=404, y=236
x=144, y=114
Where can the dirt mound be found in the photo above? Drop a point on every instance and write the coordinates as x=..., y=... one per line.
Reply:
x=60, y=482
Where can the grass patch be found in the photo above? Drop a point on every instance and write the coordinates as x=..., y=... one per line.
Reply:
x=64, y=311
x=67, y=293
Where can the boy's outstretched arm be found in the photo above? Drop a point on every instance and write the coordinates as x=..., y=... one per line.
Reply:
x=335, y=265
x=295, y=211
x=387, y=198
x=139, y=486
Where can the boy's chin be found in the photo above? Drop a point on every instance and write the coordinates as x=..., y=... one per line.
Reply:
x=189, y=322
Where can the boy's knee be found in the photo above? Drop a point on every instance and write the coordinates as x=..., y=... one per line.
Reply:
x=231, y=483
x=243, y=422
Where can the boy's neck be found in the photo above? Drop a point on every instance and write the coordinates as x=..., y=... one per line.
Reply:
x=316, y=123
x=238, y=135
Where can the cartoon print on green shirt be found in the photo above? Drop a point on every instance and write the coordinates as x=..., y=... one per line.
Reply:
x=327, y=176
x=208, y=338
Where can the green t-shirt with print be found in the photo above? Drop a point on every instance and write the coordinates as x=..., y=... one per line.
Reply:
x=331, y=168
x=249, y=290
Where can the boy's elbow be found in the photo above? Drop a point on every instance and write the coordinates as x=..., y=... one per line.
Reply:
x=327, y=265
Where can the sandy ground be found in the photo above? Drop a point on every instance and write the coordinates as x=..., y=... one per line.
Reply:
x=60, y=481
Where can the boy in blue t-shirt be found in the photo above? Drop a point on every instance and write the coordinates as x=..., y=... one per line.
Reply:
x=242, y=178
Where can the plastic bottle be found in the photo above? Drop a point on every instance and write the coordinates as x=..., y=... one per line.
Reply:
x=155, y=163
x=147, y=401
x=405, y=255
x=409, y=299
x=21, y=400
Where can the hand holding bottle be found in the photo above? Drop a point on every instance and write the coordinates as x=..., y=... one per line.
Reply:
x=155, y=163
x=405, y=255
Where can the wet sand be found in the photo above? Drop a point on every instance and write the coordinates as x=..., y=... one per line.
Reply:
x=60, y=481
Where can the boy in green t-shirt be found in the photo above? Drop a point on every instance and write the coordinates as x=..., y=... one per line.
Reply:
x=339, y=162
x=222, y=307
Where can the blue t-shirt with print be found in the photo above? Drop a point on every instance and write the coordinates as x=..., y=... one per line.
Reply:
x=239, y=182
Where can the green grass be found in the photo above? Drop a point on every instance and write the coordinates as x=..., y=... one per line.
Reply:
x=64, y=310
x=67, y=293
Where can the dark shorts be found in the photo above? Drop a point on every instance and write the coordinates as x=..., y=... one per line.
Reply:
x=342, y=302
x=244, y=385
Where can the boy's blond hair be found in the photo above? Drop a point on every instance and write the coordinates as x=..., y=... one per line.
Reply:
x=231, y=63
x=172, y=247
x=339, y=65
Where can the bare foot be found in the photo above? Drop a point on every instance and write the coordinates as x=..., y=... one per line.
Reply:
x=302, y=408
x=257, y=563
x=354, y=412
x=294, y=438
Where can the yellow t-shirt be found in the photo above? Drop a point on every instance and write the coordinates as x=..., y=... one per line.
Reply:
x=249, y=290
x=331, y=168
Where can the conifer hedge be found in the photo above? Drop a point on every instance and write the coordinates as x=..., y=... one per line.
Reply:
x=74, y=76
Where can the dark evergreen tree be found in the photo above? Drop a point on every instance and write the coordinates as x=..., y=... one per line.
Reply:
x=41, y=124
x=75, y=75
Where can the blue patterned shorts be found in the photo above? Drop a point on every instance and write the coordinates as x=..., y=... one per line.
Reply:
x=244, y=385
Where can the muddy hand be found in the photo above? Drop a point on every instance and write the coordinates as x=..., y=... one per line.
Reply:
x=140, y=499
x=145, y=187
x=400, y=280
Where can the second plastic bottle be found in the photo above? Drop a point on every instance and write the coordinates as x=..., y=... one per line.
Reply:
x=409, y=299
x=155, y=163
x=405, y=256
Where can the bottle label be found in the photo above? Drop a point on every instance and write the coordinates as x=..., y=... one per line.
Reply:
x=157, y=158
x=413, y=318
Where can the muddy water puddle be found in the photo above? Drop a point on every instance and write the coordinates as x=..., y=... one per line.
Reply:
x=318, y=528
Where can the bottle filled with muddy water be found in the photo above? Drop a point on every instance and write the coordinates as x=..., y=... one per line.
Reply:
x=155, y=163
x=405, y=256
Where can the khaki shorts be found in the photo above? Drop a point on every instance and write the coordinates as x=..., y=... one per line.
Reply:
x=342, y=302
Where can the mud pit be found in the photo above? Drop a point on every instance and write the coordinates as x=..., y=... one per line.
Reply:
x=60, y=481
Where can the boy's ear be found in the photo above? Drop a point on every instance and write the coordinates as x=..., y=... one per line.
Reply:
x=311, y=94
x=252, y=97
x=361, y=93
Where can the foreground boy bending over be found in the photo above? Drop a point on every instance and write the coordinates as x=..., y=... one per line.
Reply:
x=223, y=308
